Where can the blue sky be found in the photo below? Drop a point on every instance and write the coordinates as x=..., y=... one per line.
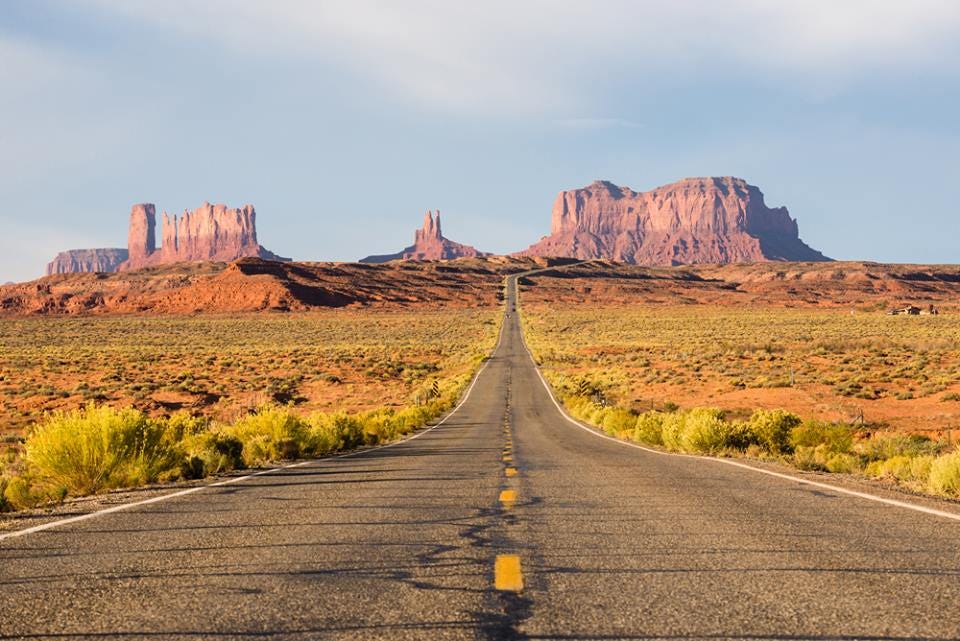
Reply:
x=342, y=122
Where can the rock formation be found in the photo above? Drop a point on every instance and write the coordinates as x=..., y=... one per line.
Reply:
x=87, y=260
x=208, y=233
x=142, y=233
x=429, y=244
x=695, y=220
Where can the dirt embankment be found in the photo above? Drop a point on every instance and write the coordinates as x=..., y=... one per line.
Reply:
x=252, y=285
x=774, y=284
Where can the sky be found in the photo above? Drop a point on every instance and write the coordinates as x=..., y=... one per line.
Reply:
x=343, y=121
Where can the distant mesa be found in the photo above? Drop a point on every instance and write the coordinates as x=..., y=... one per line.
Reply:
x=695, y=220
x=87, y=260
x=208, y=233
x=429, y=244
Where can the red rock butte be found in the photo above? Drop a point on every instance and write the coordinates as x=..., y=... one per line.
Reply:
x=208, y=233
x=75, y=261
x=695, y=220
x=429, y=244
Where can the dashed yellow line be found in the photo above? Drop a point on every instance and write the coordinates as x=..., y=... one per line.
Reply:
x=508, y=497
x=507, y=574
x=511, y=471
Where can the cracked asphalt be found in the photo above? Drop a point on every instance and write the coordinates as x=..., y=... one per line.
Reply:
x=401, y=543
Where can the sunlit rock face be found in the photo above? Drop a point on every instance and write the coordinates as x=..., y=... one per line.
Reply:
x=695, y=220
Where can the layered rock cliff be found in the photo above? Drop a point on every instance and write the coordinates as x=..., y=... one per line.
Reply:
x=87, y=260
x=695, y=220
x=429, y=244
x=208, y=233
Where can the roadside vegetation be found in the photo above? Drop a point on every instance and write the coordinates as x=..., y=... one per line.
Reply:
x=100, y=448
x=222, y=367
x=410, y=367
x=770, y=384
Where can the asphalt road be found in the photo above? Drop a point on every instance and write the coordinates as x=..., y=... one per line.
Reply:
x=608, y=541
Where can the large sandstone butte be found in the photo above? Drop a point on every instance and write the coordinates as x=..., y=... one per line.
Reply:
x=695, y=220
x=208, y=233
x=429, y=244
x=76, y=261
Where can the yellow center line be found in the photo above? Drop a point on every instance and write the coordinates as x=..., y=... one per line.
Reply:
x=507, y=574
x=507, y=458
x=508, y=497
x=511, y=471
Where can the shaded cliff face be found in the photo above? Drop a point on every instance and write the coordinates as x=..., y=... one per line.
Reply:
x=429, y=244
x=87, y=260
x=210, y=232
x=696, y=220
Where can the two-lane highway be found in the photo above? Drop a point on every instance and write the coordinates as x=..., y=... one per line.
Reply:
x=411, y=542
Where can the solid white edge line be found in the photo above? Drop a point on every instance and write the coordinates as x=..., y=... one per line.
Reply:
x=237, y=479
x=862, y=495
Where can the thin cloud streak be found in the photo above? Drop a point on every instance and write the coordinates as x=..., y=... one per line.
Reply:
x=502, y=58
x=598, y=123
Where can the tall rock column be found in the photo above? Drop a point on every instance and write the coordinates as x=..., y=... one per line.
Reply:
x=142, y=237
x=169, y=247
x=430, y=232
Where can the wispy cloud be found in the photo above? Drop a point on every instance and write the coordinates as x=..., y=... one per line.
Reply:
x=598, y=123
x=503, y=57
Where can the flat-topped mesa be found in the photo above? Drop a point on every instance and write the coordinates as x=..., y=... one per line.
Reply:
x=75, y=261
x=208, y=233
x=428, y=244
x=695, y=220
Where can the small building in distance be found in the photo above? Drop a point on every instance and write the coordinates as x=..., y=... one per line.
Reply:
x=913, y=310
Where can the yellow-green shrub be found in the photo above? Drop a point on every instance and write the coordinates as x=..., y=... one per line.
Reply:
x=617, y=421
x=97, y=448
x=841, y=463
x=334, y=432
x=182, y=425
x=885, y=447
x=700, y=430
x=17, y=494
x=272, y=433
x=945, y=474
x=835, y=437
x=649, y=428
x=904, y=468
x=807, y=457
x=211, y=452
x=772, y=429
